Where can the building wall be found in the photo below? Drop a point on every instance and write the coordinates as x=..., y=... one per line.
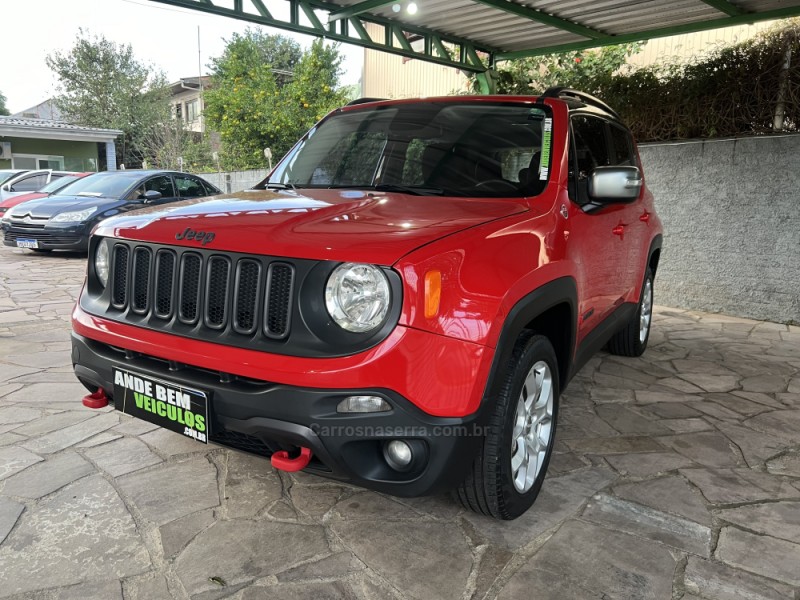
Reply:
x=732, y=225
x=235, y=181
x=391, y=76
x=183, y=99
x=690, y=45
x=78, y=156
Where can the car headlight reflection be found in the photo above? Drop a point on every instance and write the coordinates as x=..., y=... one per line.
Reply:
x=101, y=262
x=357, y=297
x=75, y=216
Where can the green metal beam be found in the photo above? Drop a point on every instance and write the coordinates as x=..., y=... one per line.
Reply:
x=358, y=9
x=466, y=59
x=638, y=36
x=726, y=7
x=547, y=19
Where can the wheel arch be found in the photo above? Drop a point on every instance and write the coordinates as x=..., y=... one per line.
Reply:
x=550, y=310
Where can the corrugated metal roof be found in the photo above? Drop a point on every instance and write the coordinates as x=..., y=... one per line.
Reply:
x=474, y=34
x=48, y=124
x=495, y=25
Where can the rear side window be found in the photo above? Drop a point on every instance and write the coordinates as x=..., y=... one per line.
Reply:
x=31, y=184
x=188, y=187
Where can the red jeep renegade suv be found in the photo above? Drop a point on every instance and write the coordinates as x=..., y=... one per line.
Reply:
x=399, y=305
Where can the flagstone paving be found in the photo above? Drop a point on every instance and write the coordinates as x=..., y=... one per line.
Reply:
x=676, y=475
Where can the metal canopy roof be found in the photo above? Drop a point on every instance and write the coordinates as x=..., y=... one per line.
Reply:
x=474, y=34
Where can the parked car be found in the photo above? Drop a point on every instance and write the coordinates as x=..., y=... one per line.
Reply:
x=65, y=219
x=399, y=305
x=55, y=185
x=26, y=182
x=6, y=174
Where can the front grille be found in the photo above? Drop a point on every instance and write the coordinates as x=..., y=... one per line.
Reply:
x=141, y=280
x=192, y=291
x=217, y=292
x=248, y=282
x=189, y=286
x=119, y=285
x=280, y=280
x=165, y=283
x=244, y=442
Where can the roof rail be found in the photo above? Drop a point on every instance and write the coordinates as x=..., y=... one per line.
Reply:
x=363, y=101
x=565, y=92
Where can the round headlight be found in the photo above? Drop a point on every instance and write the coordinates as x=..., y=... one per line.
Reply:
x=357, y=297
x=101, y=262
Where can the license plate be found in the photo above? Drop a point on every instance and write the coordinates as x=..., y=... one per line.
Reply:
x=169, y=405
x=21, y=243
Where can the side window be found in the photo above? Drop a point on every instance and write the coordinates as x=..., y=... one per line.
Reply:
x=590, y=150
x=162, y=183
x=31, y=184
x=623, y=147
x=188, y=187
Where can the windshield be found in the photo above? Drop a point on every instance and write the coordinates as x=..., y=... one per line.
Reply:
x=428, y=148
x=57, y=184
x=100, y=185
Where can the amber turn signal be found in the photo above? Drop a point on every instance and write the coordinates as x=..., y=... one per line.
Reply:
x=433, y=293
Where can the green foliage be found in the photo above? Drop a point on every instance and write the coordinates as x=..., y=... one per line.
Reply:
x=266, y=94
x=102, y=84
x=3, y=110
x=589, y=71
x=733, y=90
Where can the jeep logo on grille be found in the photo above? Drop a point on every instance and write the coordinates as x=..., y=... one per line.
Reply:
x=204, y=237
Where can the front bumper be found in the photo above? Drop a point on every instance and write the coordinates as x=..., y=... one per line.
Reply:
x=69, y=236
x=262, y=417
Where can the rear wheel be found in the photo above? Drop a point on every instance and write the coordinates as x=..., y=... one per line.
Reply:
x=631, y=340
x=509, y=470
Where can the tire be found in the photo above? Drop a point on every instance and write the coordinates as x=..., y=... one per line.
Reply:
x=493, y=487
x=632, y=339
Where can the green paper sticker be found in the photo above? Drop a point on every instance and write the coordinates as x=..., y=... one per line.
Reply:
x=544, y=161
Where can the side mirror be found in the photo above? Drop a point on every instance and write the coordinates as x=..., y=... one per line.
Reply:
x=615, y=184
x=151, y=196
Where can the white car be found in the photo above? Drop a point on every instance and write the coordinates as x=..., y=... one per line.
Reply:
x=25, y=182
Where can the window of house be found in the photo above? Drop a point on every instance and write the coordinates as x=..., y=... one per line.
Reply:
x=192, y=110
x=37, y=161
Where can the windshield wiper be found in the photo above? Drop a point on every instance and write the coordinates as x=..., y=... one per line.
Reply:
x=416, y=190
x=279, y=186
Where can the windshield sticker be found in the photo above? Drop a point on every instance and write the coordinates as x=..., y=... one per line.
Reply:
x=544, y=161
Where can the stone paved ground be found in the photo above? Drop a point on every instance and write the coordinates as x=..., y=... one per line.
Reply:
x=677, y=475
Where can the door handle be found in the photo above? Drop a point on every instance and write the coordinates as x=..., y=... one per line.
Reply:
x=619, y=230
x=645, y=217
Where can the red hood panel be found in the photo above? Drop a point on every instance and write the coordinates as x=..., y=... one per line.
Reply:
x=345, y=225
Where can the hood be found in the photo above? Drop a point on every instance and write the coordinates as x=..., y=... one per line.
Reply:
x=344, y=225
x=50, y=206
x=14, y=200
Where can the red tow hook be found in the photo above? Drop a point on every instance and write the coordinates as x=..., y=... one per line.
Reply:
x=280, y=460
x=96, y=400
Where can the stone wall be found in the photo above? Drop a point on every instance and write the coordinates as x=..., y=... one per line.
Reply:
x=731, y=213
x=235, y=181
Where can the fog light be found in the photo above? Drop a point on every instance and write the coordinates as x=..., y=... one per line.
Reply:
x=363, y=404
x=398, y=455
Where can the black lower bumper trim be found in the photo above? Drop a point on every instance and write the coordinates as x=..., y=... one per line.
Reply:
x=262, y=417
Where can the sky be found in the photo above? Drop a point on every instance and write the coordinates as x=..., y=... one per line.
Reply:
x=161, y=35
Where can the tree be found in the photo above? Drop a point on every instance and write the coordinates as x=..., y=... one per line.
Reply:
x=3, y=110
x=266, y=93
x=586, y=70
x=102, y=84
